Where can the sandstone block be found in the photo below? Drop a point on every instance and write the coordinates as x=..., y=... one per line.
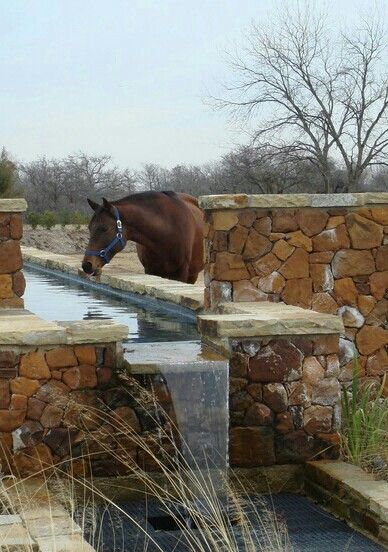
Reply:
x=352, y=263
x=53, y=392
x=382, y=258
x=11, y=257
x=16, y=227
x=295, y=447
x=332, y=366
x=33, y=365
x=258, y=415
x=80, y=377
x=256, y=391
x=244, y=290
x=312, y=221
x=126, y=419
x=51, y=416
x=263, y=225
x=224, y=220
x=298, y=239
x=32, y=460
x=282, y=250
x=326, y=344
x=237, y=384
x=275, y=362
x=27, y=435
x=313, y=371
x=267, y=264
x=284, y=221
x=321, y=257
x=335, y=221
x=326, y=392
x=318, y=419
x=284, y=423
x=275, y=396
x=352, y=318
x=296, y=266
x=346, y=292
x=240, y=401
x=61, y=357
x=230, y=266
x=220, y=292
x=251, y=446
x=5, y=397
x=6, y=290
x=300, y=394
x=35, y=408
x=24, y=386
x=323, y=302
x=322, y=277
x=220, y=241
x=18, y=283
x=364, y=233
x=332, y=240
x=237, y=239
x=256, y=245
x=86, y=354
x=5, y=452
x=379, y=284
x=377, y=364
x=247, y=218
x=273, y=283
x=298, y=292
x=371, y=338
x=238, y=365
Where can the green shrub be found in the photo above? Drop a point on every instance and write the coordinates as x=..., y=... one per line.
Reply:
x=364, y=421
x=48, y=219
x=64, y=217
x=33, y=219
x=79, y=219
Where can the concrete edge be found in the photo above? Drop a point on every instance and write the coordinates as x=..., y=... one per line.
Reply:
x=13, y=205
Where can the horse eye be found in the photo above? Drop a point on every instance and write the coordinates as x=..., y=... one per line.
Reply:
x=102, y=229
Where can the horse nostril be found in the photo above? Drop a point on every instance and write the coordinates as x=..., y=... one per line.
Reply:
x=87, y=267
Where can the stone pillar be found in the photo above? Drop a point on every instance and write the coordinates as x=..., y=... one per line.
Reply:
x=328, y=253
x=12, y=282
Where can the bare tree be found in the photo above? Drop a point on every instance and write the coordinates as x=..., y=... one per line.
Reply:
x=313, y=96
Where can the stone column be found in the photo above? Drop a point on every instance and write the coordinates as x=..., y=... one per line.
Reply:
x=327, y=253
x=12, y=282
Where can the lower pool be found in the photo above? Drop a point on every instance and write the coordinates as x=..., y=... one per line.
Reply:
x=53, y=297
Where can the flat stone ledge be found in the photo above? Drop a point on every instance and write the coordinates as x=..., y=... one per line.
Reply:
x=264, y=319
x=13, y=205
x=284, y=201
x=19, y=327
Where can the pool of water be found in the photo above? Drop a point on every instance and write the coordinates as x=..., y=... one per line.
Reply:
x=53, y=298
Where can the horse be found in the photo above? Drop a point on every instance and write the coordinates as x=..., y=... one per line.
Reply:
x=167, y=227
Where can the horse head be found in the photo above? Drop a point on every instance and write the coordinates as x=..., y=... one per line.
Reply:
x=106, y=237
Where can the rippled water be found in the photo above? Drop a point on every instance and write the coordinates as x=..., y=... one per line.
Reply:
x=52, y=298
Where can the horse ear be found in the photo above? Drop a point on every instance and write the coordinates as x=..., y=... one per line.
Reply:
x=107, y=206
x=93, y=204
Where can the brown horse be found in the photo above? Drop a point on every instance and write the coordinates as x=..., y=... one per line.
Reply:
x=166, y=226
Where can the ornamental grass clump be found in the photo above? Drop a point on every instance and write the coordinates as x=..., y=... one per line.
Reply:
x=365, y=424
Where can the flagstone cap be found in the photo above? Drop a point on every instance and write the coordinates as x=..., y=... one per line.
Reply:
x=283, y=201
x=19, y=327
x=13, y=205
x=263, y=319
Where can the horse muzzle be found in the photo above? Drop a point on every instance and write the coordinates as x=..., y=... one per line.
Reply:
x=87, y=267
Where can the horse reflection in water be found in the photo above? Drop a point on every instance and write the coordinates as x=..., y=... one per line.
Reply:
x=167, y=228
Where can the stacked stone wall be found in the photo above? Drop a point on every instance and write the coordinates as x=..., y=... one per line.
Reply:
x=66, y=405
x=12, y=282
x=331, y=260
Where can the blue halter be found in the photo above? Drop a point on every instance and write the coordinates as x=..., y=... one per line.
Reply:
x=104, y=253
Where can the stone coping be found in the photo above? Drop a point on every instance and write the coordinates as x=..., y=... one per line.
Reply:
x=185, y=295
x=13, y=205
x=263, y=319
x=281, y=201
x=351, y=493
x=19, y=327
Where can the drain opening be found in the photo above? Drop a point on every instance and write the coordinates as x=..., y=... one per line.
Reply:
x=166, y=523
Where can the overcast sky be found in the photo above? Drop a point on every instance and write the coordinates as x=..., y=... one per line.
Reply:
x=123, y=77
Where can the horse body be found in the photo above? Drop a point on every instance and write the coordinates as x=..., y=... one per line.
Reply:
x=166, y=226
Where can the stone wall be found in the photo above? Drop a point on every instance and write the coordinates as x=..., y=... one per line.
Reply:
x=66, y=405
x=12, y=282
x=325, y=253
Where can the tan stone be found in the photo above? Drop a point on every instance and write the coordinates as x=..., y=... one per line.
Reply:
x=32, y=460
x=244, y=290
x=6, y=290
x=298, y=239
x=126, y=419
x=299, y=394
x=371, y=338
x=251, y=446
x=80, y=377
x=11, y=257
x=382, y=258
x=312, y=221
x=284, y=221
x=332, y=366
x=326, y=392
x=275, y=396
x=12, y=303
x=18, y=283
x=377, y=364
x=284, y=422
x=237, y=238
x=322, y=257
x=352, y=263
x=318, y=419
x=276, y=236
x=16, y=227
x=220, y=241
x=24, y=386
x=335, y=221
x=256, y=245
x=5, y=397
x=5, y=452
x=298, y=292
x=346, y=292
x=379, y=284
x=332, y=240
x=380, y=215
x=220, y=292
x=247, y=218
x=61, y=357
x=35, y=408
x=313, y=371
x=366, y=304
x=277, y=362
x=224, y=220
x=282, y=250
x=324, y=302
x=267, y=264
x=230, y=266
x=51, y=416
x=296, y=266
x=263, y=226
x=273, y=283
x=33, y=365
x=364, y=233
x=86, y=354
x=258, y=415
x=322, y=277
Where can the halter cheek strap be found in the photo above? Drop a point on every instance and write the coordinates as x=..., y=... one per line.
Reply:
x=105, y=253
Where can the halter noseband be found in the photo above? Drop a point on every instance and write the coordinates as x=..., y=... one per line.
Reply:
x=104, y=253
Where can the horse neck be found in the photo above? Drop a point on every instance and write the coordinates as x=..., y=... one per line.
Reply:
x=139, y=225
